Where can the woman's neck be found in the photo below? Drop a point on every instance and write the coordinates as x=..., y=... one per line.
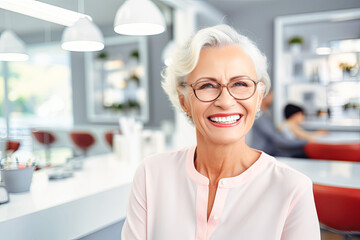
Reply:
x=221, y=161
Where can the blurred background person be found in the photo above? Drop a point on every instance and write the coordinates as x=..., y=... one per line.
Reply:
x=267, y=138
x=292, y=129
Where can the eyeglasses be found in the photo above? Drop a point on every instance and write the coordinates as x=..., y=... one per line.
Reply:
x=208, y=90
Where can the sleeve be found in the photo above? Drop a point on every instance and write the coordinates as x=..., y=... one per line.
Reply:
x=136, y=211
x=302, y=221
x=269, y=131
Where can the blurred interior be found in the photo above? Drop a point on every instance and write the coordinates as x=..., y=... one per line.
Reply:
x=62, y=93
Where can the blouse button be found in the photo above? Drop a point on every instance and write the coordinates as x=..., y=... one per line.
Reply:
x=215, y=217
x=223, y=182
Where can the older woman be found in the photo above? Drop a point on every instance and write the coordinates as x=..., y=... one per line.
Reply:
x=220, y=188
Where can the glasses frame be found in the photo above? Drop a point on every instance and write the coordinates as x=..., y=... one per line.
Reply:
x=222, y=86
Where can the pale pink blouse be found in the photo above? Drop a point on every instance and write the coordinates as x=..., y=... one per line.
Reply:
x=268, y=201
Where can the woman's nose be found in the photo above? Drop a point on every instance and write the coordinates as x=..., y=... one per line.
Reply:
x=225, y=100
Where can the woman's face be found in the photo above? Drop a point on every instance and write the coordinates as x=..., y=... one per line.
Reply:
x=299, y=117
x=222, y=64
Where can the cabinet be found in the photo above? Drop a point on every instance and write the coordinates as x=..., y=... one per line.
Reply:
x=323, y=75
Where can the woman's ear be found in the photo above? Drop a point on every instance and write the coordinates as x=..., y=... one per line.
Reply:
x=261, y=93
x=183, y=103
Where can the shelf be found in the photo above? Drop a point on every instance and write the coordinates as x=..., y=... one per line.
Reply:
x=308, y=54
x=296, y=73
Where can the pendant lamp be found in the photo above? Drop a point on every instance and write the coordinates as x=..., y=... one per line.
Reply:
x=139, y=17
x=12, y=48
x=83, y=36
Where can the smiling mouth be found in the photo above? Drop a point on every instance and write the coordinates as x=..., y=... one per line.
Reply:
x=225, y=120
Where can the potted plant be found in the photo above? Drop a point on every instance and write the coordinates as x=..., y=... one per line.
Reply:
x=295, y=44
x=346, y=69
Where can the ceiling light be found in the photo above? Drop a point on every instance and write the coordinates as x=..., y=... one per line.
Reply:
x=42, y=11
x=323, y=50
x=139, y=17
x=12, y=48
x=83, y=36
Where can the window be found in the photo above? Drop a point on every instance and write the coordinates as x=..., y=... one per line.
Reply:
x=2, y=100
x=39, y=91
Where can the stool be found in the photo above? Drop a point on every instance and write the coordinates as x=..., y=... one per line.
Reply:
x=12, y=146
x=45, y=138
x=109, y=136
x=82, y=140
x=338, y=209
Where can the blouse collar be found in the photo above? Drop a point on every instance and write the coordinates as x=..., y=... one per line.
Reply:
x=230, y=182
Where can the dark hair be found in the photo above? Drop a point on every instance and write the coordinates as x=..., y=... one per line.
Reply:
x=291, y=109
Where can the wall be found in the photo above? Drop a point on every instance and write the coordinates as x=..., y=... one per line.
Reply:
x=256, y=19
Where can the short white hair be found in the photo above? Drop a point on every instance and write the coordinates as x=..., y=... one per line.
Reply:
x=185, y=58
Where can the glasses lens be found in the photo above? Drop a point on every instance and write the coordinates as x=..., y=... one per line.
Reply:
x=241, y=88
x=207, y=90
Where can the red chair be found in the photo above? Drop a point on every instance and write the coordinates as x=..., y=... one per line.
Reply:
x=83, y=140
x=109, y=136
x=12, y=146
x=338, y=209
x=340, y=152
x=45, y=138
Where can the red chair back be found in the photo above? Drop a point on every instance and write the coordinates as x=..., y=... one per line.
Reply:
x=44, y=137
x=12, y=146
x=340, y=152
x=83, y=140
x=109, y=136
x=338, y=207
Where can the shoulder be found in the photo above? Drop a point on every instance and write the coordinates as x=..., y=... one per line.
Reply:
x=167, y=158
x=286, y=177
x=165, y=163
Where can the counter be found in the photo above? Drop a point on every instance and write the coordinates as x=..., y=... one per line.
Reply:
x=96, y=197
x=333, y=173
x=344, y=125
x=92, y=199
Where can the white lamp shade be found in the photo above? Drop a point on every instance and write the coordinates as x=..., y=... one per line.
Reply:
x=12, y=48
x=83, y=36
x=139, y=17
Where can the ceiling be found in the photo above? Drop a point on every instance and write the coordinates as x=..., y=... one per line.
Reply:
x=103, y=13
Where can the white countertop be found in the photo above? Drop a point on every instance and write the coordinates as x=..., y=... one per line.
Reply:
x=334, y=173
x=96, y=197
x=333, y=125
x=340, y=137
x=70, y=208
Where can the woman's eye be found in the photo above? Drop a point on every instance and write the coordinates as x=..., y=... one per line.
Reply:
x=206, y=85
x=240, y=84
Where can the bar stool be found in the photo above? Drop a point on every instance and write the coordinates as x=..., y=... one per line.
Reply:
x=338, y=209
x=82, y=140
x=109, y=136
x=45, y=138
x=12, y=146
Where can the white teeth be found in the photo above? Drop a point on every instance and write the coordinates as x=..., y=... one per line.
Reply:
x=225, y=120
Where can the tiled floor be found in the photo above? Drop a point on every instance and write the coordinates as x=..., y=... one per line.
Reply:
x=333, y=236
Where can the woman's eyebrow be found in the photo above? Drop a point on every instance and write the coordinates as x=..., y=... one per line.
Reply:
x=216, y=80
x=206, y=78
x=240, y=76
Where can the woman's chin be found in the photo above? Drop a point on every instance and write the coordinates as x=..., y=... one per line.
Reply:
x=225, y=140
